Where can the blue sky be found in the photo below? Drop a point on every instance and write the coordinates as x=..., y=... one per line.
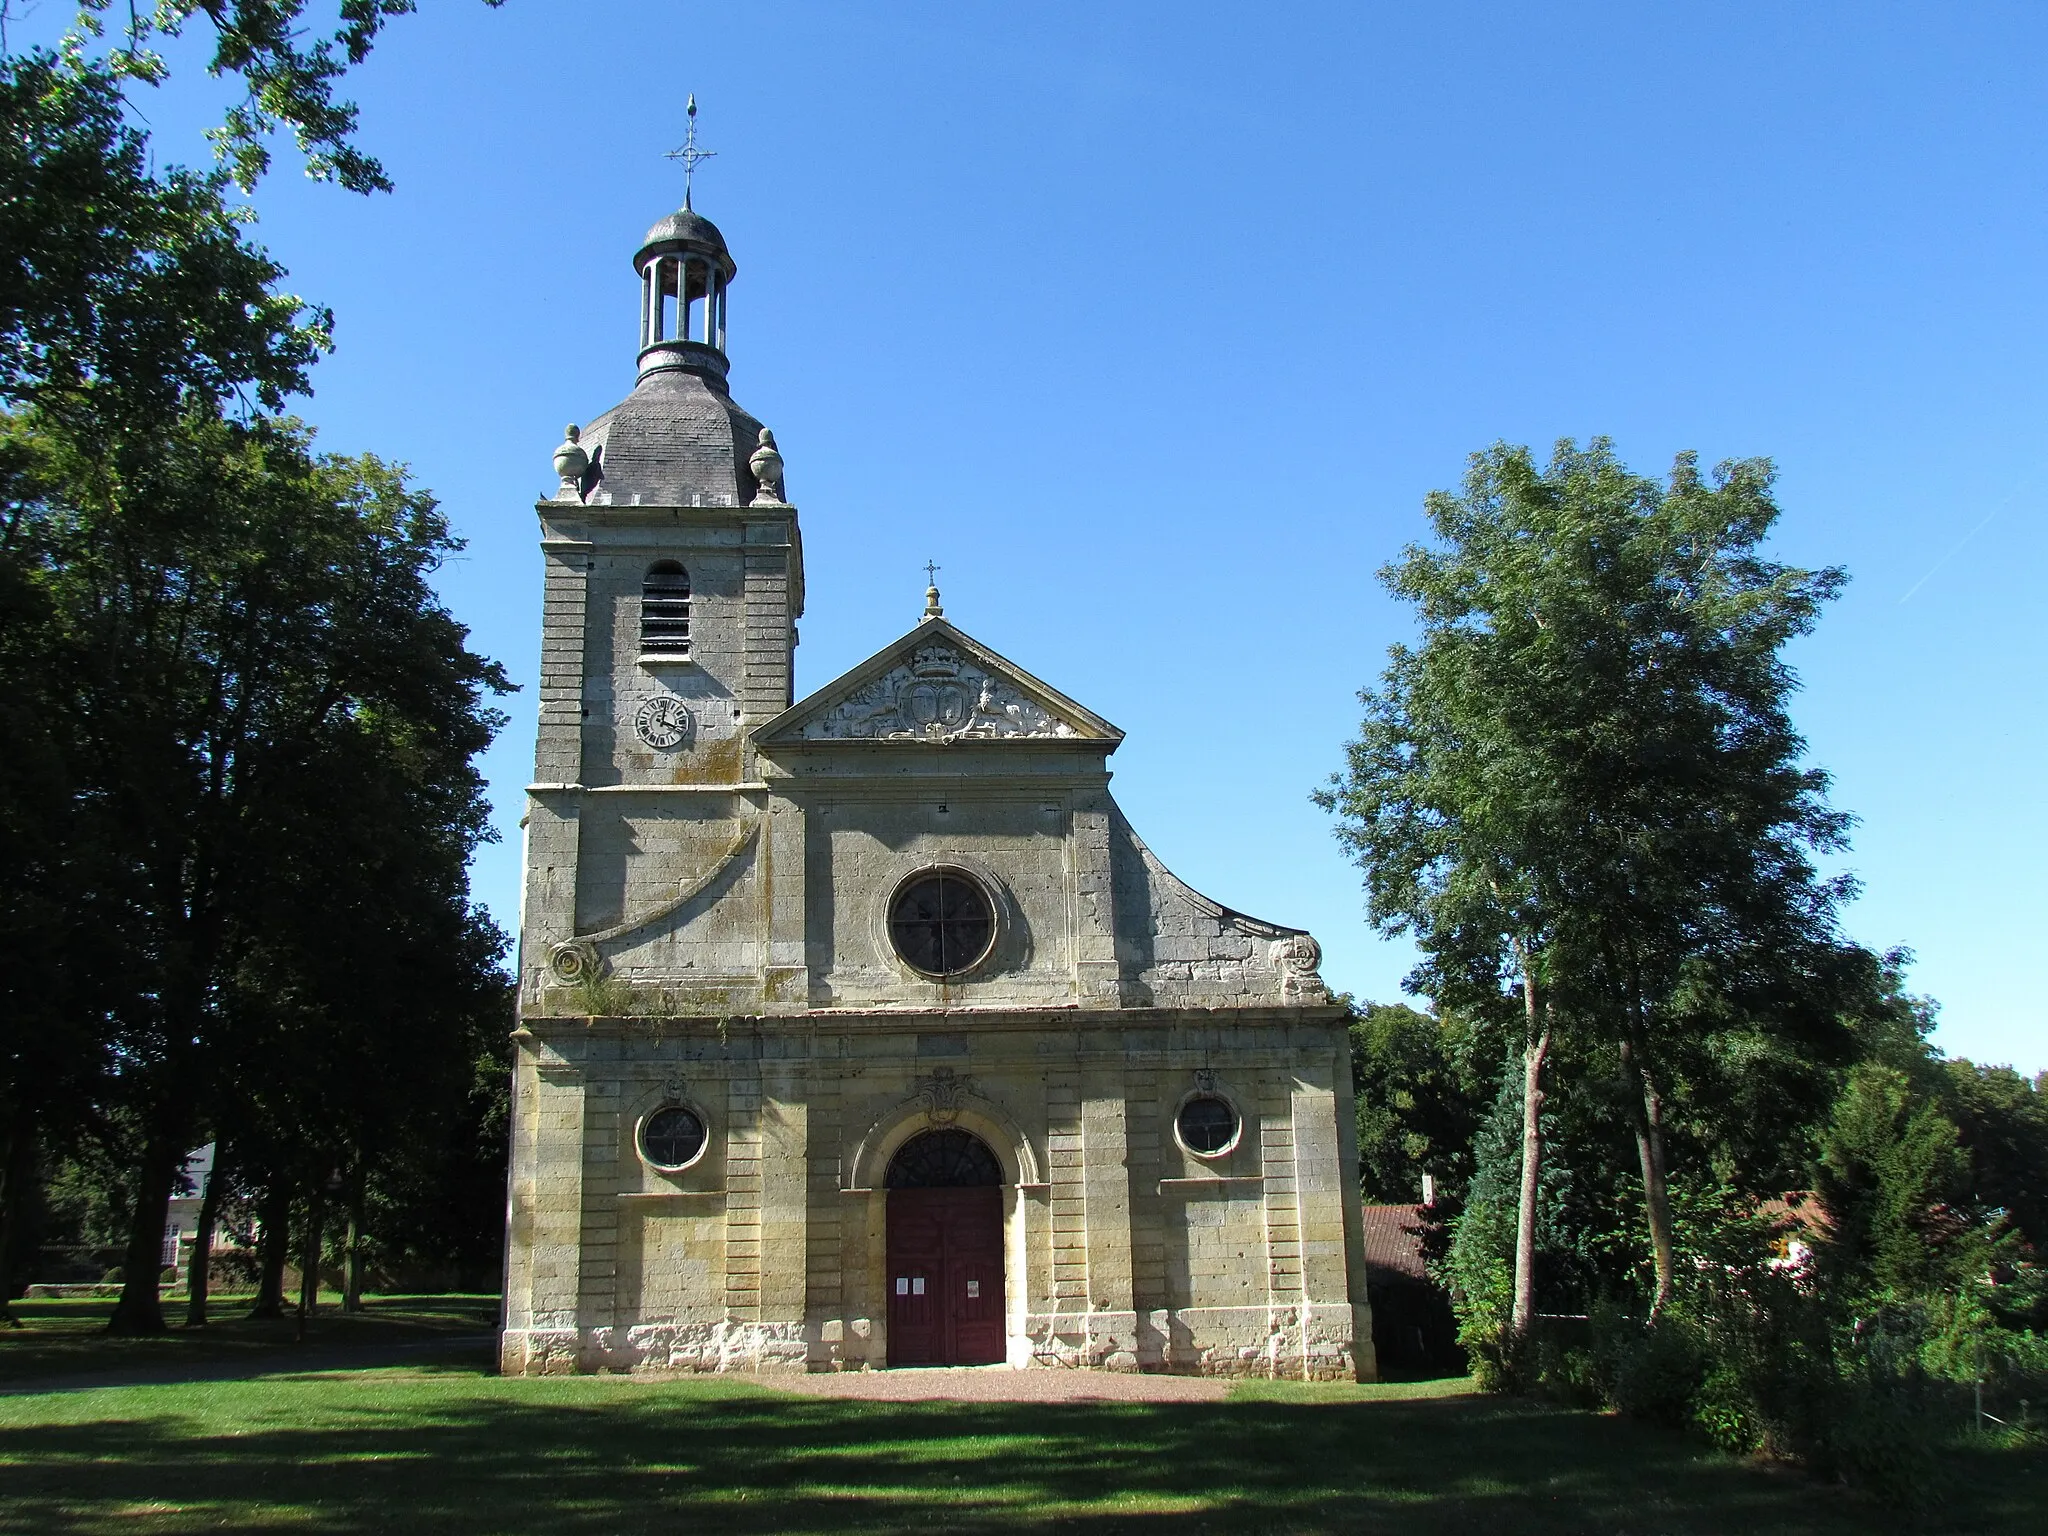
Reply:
x=1152, y=324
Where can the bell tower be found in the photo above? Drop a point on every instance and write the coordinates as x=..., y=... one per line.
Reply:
x=672, y=586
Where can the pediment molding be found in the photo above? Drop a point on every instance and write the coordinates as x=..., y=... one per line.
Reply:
x=936, y=685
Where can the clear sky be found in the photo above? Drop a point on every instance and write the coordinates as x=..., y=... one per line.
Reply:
x=1153, y=323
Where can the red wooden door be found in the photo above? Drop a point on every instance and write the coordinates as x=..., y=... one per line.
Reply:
x=974, y=1275
x=945, y=1276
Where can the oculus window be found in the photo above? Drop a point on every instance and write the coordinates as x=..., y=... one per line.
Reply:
x=942, y=923
x=1207, y=1125
x=672, y=1138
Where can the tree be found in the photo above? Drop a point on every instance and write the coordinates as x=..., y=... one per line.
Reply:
x=1891, y=1177
x=1423, y=1087
x=136, y=318
x=1584, y=780
x=1417, y=812
x=2001, y=1121
x=289, y=75
x=279, y=713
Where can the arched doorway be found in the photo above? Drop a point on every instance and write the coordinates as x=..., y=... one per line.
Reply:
x=945, y=1273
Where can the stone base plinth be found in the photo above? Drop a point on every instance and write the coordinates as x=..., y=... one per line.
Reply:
x=1293, y=1342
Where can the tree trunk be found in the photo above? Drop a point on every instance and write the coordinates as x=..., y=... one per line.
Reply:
x=199, y=1272
x=309, y=1255
x=17, y=1176
x=140, y=1309
x=1649, y=1128
x=1534, y=1055
x=273, y=1242
x=352, y=1256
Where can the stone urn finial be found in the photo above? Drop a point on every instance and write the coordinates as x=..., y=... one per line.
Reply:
x=570, y=463
x=766, y=464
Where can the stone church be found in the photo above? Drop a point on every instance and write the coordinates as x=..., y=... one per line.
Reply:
x=862, y=1030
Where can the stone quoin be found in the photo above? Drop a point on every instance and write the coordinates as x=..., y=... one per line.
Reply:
x=863, y=1030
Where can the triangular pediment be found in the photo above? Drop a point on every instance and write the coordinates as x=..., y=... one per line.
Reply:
x=936, y=684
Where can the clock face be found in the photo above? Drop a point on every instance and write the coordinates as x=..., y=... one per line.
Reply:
x=663, y=722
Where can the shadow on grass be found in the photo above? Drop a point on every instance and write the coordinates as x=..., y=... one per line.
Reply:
x=65, y=1339
x=452, y=1452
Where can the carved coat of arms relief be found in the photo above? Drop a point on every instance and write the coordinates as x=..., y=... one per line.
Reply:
x=935, y=696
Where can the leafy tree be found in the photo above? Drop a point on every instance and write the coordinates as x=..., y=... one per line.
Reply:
x=123, y=294
x=124, y=298
x=1480, y=1269
x=2001, y=1121
x=1421, y=1098
x=281, y=715
x=140, y=331
x=1584, y=782
x=289, y=74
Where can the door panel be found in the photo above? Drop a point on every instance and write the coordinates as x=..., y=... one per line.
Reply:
x=945, y=1276
x=974, y=1275
x=917, y=1261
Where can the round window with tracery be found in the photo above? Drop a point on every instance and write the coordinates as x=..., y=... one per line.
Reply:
x=942, y=923
x=672, y=1138
x=1207, y=1125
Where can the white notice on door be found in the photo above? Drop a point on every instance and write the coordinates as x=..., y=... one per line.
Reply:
x=917, y=1285
x=973, y=1288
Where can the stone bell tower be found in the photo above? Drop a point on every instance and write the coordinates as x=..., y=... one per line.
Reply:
x=674, y=579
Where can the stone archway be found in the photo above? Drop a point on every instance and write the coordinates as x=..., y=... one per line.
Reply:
x=945, y=1251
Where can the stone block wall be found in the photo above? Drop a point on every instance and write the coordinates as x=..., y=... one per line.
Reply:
x=1123, y=1250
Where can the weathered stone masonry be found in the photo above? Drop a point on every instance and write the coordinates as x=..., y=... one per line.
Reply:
x=721, y=946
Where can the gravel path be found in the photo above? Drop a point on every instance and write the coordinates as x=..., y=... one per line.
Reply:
x=1001, y=1384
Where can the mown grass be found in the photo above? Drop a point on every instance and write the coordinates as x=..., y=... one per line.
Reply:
x=61, y=1337
x=427, y=1449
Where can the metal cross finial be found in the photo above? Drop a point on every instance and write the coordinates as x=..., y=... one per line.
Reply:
x=931, y=572
x=690, y=154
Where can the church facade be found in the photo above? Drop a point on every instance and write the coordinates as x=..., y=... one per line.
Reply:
x=863, y=1030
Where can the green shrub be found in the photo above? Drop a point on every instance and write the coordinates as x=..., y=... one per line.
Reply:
x=1648, y=1372
x=1771, y=1372
x=1882, y=1435
x=1753, y=1363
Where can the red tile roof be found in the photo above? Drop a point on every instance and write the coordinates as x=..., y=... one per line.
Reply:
x=1392, y=1247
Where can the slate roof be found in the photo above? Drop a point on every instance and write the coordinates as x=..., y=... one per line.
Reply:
x=688, y=227
x=676, y=441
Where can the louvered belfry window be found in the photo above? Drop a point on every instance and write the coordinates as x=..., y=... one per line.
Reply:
x=665, y=610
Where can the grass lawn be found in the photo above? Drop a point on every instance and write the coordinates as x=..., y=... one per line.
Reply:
x=445, y=1448
x=62, y=1337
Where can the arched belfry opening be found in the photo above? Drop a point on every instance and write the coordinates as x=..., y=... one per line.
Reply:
x=684, y=271
x=945, y=1244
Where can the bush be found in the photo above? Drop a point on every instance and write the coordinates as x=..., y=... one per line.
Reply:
x=1647, y=1373
x=1882, y=1435
x=1770, y=1374
x=1754, y=1364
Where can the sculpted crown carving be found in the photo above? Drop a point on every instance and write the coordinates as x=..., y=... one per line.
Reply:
x=934, y=661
